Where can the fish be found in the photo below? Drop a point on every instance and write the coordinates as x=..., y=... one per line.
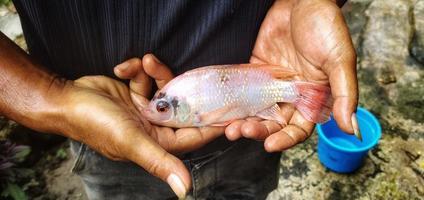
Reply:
x=219, y=94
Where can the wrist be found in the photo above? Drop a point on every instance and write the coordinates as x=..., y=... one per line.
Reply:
x=49, y=111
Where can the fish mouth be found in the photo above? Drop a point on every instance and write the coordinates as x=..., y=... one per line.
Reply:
x=148, y=114
x=153, y=117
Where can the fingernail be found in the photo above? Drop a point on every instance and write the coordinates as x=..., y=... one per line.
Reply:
x=177, y=185
x=156, y=59
x=356, y=127
x=122, y=66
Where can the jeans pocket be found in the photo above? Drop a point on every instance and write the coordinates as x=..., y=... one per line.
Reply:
x=79, y=151
x=205, y=159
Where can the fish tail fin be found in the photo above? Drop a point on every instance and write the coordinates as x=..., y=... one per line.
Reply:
x=313, y=101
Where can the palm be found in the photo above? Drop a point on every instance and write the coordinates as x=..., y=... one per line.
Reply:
x=292, y=39
x=311, y=38
x=118, y=111
x=173, y=140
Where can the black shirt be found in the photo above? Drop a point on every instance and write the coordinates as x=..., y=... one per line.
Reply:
x=74, y=38
x=79, y=37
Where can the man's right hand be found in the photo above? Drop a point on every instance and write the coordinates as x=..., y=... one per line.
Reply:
x=97, y=111
x=103, y=113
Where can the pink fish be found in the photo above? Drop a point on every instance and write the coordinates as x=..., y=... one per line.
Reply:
x=218, y=95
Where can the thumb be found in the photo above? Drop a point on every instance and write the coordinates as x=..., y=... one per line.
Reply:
x=340, y=66
x=133, y=69
x=144, y=151
x=157, y=70
x=344, y=88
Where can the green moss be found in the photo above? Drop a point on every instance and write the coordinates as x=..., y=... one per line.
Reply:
x=389, y=189
x=5, y=2
x=371, y=95
x=410, y=102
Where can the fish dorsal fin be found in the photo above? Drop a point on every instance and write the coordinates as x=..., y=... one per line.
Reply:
x=276, y=71
x=272, y=113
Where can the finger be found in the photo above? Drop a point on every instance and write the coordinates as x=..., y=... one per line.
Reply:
x=157, y=70
x=259, y=130
x=128, y=69
x=139, y=101
x=133, y=69
x=341, y=69
x=254, y=130
x=149, y=155
x=297, y=131
x=233, y=131
x=287, y=110
x=344, y=88
x=256, y=60
x=189, y=139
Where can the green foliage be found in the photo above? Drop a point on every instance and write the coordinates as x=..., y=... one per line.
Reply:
x=11, y=155
x=5, y=2
x=61, y=154
x=21, y=152
x=14, y=191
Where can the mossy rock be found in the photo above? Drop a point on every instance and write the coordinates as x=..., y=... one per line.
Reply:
x=410, y=101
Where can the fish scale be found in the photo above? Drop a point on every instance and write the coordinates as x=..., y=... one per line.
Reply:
x=220, y=94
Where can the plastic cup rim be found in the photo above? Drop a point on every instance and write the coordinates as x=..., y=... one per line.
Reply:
x=373, y=120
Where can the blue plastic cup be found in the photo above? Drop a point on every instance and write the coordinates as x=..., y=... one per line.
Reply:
x=345, y=153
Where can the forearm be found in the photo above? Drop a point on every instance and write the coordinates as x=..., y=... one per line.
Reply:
x=28, y=93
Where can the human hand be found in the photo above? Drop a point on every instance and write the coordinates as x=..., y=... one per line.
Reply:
x=311, y=37
x=102, y=113
x=140, y=72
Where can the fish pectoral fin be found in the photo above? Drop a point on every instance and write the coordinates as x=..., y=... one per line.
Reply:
x=222, y=123
x=272, y=113
x=215, y=115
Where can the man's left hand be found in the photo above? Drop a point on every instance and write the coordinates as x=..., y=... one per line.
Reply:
x=312, y=38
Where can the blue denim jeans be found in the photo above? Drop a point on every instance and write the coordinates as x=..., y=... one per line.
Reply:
x=221, y=170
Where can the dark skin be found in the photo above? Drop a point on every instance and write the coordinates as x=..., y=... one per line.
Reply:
x=103, y=113
x=100, y=112
x=319, y=48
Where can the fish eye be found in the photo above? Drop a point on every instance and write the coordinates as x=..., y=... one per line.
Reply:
x=162, y=106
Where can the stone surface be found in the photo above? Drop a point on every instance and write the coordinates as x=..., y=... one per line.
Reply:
x=386, y=37
x=417, y=49
x=10, y=24
x=62, y=184
x=391, y=82
x=394, y=170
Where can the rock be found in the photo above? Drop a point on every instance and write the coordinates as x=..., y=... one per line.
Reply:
x=10, y=24
x=386, y=38
x=61, y=183
x=353, y=12
x=394, y=170
x=417, y=47
x=391, y=85
x=389, y=76
x=402, y=170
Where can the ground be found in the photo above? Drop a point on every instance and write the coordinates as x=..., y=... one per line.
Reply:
x=389, y=38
